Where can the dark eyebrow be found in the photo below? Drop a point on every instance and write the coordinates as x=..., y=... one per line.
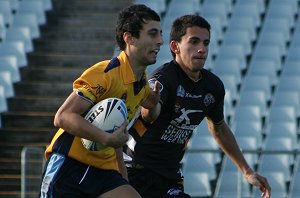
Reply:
x=154, y=30
x=197, y=38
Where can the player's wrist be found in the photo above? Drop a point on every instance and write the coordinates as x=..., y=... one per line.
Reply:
x=248, y=172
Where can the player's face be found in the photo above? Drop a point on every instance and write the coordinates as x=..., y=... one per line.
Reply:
x=149, y=42
x=192, y=50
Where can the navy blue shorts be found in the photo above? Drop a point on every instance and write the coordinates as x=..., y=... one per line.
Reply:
x=149, y=184
x=66, y=177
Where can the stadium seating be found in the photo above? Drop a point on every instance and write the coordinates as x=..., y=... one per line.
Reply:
x=254, y=50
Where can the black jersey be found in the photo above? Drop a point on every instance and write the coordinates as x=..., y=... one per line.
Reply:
x=160, y=145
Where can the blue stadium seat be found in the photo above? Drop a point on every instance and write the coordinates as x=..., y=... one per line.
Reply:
x=9, y=63
x=282, y=114
x=228, y=66
x=197, y=184
x=6, y=11
x=276, y=163
x=230, y=82
x=14, y=48
x=295, y=181
x=254, y=98
x=6, y=82
x=287, y=98
x=273, y=38
x=20, y=34
x=248, y=129
x=233, y=51
x=200, y=162
x=249, y=8
x=178, y=8
x=3, y=102
x=247, y=113
x=256, y=83
x=243, y=23
x=283, y=129
x=157, y=5
x=236, y=186
x=277, y=181
x=215, y=9
x=35, y=7
x=239, y=37
x=264, y=67
x=268, y=52
x=28, y=20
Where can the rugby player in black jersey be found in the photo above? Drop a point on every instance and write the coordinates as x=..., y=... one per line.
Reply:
x=189, y=93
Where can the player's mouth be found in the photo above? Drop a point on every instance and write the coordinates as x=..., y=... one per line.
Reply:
x=155, y=51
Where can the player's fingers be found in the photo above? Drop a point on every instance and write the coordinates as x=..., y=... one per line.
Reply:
x=156, y=87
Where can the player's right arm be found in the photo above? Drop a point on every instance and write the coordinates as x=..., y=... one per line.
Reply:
x=151, y=107
x=69, y=117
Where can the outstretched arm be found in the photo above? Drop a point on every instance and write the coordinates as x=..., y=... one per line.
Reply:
x=226, y=140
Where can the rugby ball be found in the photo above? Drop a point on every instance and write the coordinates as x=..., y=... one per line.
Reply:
x=108, y=115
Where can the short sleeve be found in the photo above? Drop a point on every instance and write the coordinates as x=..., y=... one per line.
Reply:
x=217, y=113
x=91, y=85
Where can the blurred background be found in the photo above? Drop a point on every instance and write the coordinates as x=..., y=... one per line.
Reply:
x=254, y=49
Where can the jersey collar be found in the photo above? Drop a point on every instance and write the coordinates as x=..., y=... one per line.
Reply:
x=126, y=70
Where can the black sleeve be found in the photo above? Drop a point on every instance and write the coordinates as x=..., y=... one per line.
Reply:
x=217, y=113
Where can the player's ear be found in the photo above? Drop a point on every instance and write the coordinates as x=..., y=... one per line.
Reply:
x=128, y=38
x=174, y=47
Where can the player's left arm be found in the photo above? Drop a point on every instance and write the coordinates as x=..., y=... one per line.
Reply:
x=121, y=164
x=226, y=140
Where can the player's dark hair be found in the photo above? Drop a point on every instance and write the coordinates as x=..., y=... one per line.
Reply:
x=131, y=19
x=181, y=24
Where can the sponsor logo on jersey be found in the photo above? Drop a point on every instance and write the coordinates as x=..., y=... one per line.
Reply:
x=180, y=129
x=209, y=99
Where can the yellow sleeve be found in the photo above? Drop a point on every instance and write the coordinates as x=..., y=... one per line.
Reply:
x=92, y=84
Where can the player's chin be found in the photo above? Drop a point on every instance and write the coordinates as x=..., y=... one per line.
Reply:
x=151, y=61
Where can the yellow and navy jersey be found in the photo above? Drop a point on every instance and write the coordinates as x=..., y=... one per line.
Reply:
x=110, y=78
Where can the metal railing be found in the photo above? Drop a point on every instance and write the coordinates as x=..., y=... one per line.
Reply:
x=32, y=165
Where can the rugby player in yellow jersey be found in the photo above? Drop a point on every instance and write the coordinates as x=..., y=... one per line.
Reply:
x=71, y=169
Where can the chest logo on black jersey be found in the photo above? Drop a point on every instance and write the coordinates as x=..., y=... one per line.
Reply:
x=208, y=99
